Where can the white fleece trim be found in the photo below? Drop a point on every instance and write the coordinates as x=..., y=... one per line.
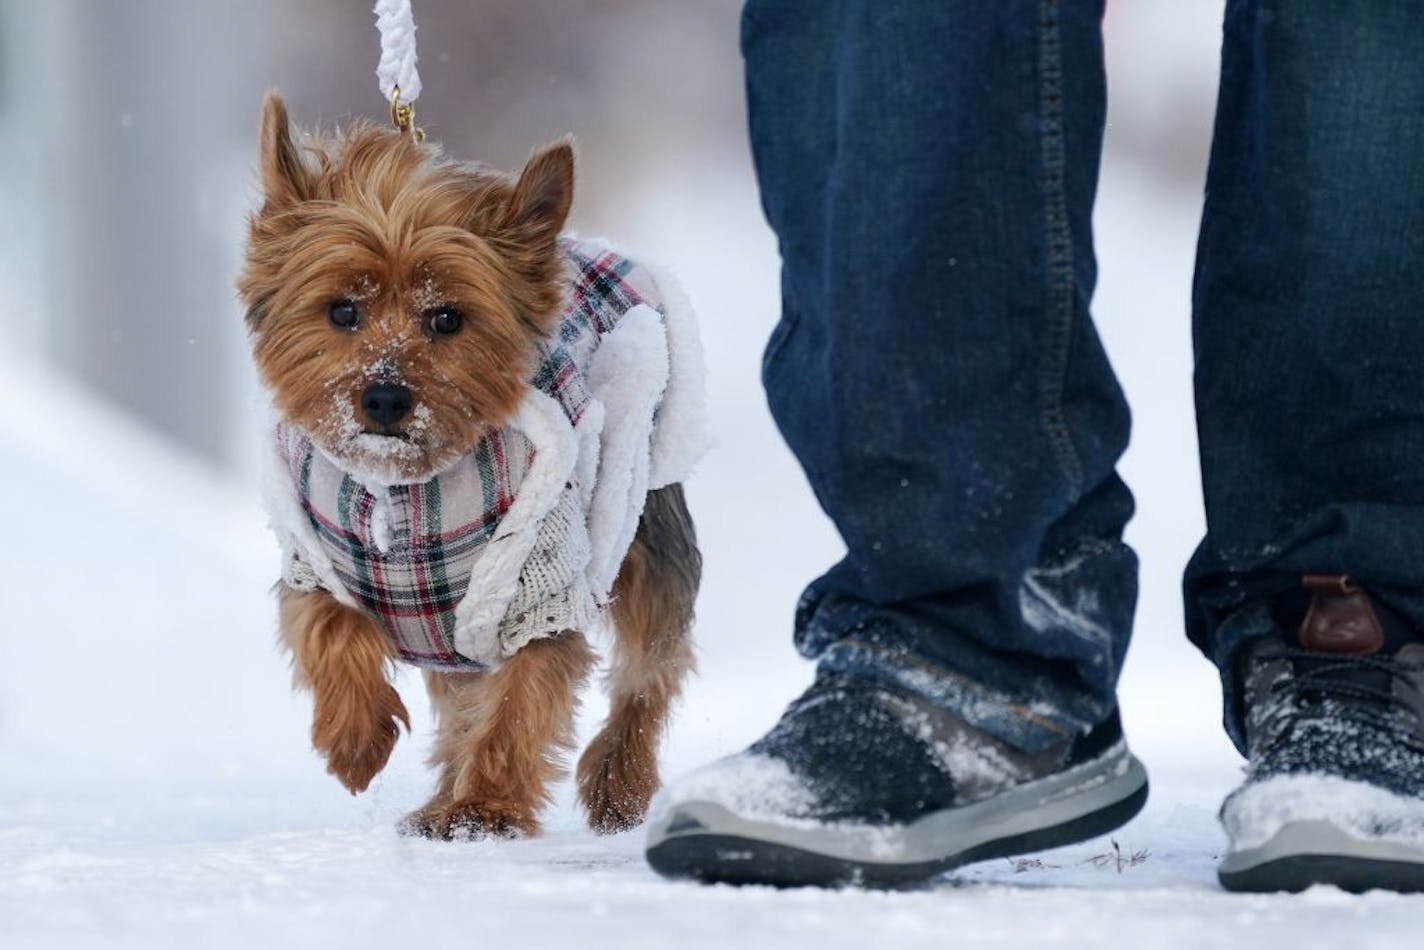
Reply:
x=494, y=581
x=683, y=433
x=628, y=374
x=590, y=434
x=290, y=523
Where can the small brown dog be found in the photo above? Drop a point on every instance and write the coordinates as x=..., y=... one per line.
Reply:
x=482, y=427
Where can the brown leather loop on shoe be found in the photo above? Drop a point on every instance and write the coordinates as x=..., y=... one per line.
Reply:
x=1341, y=618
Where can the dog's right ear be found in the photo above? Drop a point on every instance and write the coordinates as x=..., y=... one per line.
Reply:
x=544, y=193
x=285, y=179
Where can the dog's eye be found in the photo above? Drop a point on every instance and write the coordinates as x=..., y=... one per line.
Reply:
x=444, y=320
x=343, y=314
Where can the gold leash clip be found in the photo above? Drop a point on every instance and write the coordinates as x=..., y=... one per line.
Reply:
x=403, y=116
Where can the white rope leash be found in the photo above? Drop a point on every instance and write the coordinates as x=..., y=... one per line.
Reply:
x=397, y=66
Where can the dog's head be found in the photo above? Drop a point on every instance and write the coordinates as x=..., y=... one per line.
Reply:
x=395, y=299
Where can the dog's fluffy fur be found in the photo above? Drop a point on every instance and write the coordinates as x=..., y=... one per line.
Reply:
x=372, y=216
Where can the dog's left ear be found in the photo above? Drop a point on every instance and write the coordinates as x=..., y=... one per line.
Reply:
x=544, y=194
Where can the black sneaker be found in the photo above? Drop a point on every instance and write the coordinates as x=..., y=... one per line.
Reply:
x=862, y=785
x=1334, y=790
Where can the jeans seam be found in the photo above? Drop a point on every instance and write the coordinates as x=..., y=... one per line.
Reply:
x=1061, y=285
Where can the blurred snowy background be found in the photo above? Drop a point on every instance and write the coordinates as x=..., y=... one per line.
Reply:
x=156, y=786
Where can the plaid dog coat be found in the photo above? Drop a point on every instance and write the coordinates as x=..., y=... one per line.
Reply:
x=523, y=537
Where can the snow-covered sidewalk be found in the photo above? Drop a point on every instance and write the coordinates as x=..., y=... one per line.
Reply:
x=283, y=868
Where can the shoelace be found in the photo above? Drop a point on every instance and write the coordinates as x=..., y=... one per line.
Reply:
x=1322, y=677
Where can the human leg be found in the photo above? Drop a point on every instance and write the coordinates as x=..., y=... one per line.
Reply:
x=929, y=170
x=1308, y=305
x=936, y=371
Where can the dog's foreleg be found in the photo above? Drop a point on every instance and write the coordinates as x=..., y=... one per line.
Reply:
x=344, y=658
x=501, y=740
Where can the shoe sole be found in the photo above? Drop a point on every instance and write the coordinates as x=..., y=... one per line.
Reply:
x=704, y=841
x=1305, y=853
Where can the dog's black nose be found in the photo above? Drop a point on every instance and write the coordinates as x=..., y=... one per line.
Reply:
x=386, y=403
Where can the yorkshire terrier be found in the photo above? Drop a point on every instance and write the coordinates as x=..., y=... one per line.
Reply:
x=480, y=431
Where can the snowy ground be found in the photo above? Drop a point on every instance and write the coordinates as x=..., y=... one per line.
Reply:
x=156, y=788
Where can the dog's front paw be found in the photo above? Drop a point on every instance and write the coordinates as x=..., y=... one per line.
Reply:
x=356, y=733
x=470, y=819
x=615, y=785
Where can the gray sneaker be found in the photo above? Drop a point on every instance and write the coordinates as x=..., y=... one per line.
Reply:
x=1334, y=790
x=859, y=784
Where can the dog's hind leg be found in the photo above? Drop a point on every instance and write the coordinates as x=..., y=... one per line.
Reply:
x=501, y=740
x=652, y=618
x=344, y=657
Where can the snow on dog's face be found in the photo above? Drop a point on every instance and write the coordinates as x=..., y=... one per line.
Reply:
x=396, y=299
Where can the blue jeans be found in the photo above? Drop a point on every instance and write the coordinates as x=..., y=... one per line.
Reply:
x=929, y=168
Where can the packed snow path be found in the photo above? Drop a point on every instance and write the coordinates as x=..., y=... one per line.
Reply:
x=277, y=870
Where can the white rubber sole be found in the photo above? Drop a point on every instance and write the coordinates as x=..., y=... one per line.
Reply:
x=705, y=840
x=1302, y=854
